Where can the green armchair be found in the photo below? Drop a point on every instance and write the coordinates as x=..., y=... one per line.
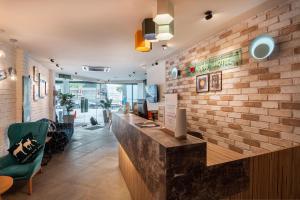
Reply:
x=9, y=166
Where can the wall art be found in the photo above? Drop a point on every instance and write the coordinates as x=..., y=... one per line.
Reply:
x=202, y=83
x=215, y=81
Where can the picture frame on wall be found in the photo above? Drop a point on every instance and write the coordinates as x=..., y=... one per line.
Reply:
x=46, y=90
x=215, y=81
x=42, y=89
x=35, y=93
x=35, y=74
x=26, y=105
x=202, y=83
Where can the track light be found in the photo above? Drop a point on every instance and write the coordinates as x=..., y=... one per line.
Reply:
x=208, y=15
x=164, y=47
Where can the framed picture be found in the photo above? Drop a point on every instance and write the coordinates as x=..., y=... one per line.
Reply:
x=35, y=92
x=215, y=81
x=202, y=82
x=26, y=107
x=39, y=86
x=42, y=87
x=46, y=89
x=35, y=74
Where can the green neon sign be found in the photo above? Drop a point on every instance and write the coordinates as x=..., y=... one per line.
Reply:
x=222, y=62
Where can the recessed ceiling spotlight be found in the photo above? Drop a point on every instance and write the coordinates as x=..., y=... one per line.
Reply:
x=164, y=46
x=52, y=60
x=208, y=15
x=57, y=65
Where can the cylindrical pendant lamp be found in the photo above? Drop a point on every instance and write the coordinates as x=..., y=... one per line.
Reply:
x=141, y=44
x=149, y=30
x=165, y=12
x=165, y=31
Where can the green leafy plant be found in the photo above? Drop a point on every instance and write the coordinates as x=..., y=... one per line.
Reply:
x=66, y=100
x=106, y=104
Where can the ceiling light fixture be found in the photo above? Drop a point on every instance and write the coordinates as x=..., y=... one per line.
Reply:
x=3, y=75
x=95, y=68
x=141, y=44
x=52, y=60
x=165, y=31
x=208, y=15
x=148, y=29
x=2, y=54
x=164, y=47
x=165, y=12
x=57, y=65
x=12, y=73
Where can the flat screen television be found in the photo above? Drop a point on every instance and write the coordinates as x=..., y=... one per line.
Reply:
x=142, y=108
x=152, y=93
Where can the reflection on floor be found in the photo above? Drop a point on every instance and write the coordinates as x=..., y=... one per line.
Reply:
x=87, y=169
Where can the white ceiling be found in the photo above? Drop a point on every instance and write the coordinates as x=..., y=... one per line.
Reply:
x=101, y=32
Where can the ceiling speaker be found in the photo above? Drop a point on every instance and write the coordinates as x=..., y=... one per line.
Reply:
x=262, y=47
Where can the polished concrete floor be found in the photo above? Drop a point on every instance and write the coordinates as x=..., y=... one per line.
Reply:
x=87, y=169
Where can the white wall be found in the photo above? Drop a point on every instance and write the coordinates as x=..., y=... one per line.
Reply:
x=156, y=75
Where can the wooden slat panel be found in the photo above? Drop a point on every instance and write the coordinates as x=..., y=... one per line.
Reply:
x=274, y=175
x=134, y=181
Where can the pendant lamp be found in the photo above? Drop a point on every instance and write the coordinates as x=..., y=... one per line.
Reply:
x=165, y=31
x=148, y=28
x=165, y=12
x=141, y=44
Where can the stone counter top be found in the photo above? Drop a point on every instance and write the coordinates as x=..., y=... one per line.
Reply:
x=155, y=133
x=172, y=168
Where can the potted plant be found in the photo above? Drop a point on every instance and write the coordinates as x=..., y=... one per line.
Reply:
x=106, y=105
x=66, y=100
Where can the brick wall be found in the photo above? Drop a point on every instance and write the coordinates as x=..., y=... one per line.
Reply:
x=11, y=91
x=7, y=96
x=258, y=109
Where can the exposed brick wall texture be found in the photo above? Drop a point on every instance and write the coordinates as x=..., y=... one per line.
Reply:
x=11, y=92
x=258, y=109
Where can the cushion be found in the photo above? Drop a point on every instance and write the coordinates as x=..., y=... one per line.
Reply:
x=26, y=149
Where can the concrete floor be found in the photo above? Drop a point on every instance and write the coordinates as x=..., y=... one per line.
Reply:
x=87, y=169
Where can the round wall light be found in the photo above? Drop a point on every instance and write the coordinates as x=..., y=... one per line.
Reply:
x=262, y=47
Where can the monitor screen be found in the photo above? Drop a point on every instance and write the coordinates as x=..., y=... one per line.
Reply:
x=152, y=93
x=142, y=108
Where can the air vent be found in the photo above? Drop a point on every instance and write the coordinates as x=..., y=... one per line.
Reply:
x=95, y=68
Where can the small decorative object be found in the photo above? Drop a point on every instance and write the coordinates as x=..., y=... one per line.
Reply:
x=180, y=129
x=3, y=75
x=262, y=47
x=149, y=30
x=35, y=74
x=215, y=81
x=165, y=31
x=141, y=44
x=165, y=12
x=174, y=73
x=94, y=122
x=202, y=83
x=192, y=69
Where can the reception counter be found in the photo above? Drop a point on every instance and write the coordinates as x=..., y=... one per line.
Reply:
x=155, y=165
